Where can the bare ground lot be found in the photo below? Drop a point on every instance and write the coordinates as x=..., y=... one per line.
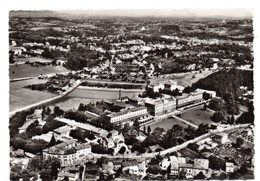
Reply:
x=198, y=117
x=25, y=70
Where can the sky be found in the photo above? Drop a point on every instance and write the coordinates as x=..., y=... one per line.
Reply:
x=165, y=12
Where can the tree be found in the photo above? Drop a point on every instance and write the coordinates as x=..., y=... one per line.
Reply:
x=182, y=174
x=48, y=111
x=11, y=57
x=154, y=169
x=58, y=111
x=122, y=150
x=239, y=142
x=55, y=165
x=137, y=125
x=52, y=141
x=200, y=176
x=149, y=130
x=216, y=163
x=205, y=107
x=218, y=117
x=202, y=129
x=45, y=175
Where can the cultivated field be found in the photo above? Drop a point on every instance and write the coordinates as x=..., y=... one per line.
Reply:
x=25, y=70
x=198, y=116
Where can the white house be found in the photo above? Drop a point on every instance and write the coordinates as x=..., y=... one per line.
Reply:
x=165, y=163
x=230, y=167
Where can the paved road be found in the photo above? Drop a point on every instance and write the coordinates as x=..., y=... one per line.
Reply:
x=185, y=121
x=20, y=79
x=175, y=148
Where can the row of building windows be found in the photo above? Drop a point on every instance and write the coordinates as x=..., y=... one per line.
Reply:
x=128, y=115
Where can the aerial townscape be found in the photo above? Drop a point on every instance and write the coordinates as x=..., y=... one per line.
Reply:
x=95, y=97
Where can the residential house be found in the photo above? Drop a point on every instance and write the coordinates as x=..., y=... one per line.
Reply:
x=69, y=152
x=174, y=165
x=157, y=86
x=70, y=176
x=17, y=50
x=131, y=166
x=165, y=163
x=230, y=167
x=63, y=131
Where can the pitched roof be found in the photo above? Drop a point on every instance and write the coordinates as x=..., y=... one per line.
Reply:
x=63, y=129
x=129, y=163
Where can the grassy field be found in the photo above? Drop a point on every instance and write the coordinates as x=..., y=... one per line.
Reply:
x=25, y=70
x=167, y=124
x=93, y=94
x=184, y=79
x=198, y=116
x=68, y=103
x=20, y=97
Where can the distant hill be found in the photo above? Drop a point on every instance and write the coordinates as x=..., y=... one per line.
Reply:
x=44, y=13
x=183, y=13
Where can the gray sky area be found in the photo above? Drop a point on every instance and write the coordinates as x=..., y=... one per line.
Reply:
x=166, y=12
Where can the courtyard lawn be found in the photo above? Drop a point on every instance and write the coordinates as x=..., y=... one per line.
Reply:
x=198, y=117
x=166, y=124
x=25, y=70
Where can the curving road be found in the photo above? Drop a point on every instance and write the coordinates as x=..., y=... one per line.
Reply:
x=175, y=148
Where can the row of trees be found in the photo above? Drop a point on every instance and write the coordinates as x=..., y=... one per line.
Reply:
x=119, y=86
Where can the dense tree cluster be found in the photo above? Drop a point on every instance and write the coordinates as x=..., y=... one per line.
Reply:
x=17, y=121
x=174, y=136
x=227, y=82
x=47, y=167
x=247, y=117
x=119, y=86
x=81, y=134
x=28, y=145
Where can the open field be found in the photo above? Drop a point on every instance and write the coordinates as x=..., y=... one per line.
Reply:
x=32, y=59
x=100, y=94
x=167, y=124
x=184, y=79
x=25, y=70
x=20, y=97
x=67, y=103
x=198, y=116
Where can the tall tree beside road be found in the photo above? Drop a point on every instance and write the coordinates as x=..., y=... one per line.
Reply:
x=52, y=141
x=149, y=130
